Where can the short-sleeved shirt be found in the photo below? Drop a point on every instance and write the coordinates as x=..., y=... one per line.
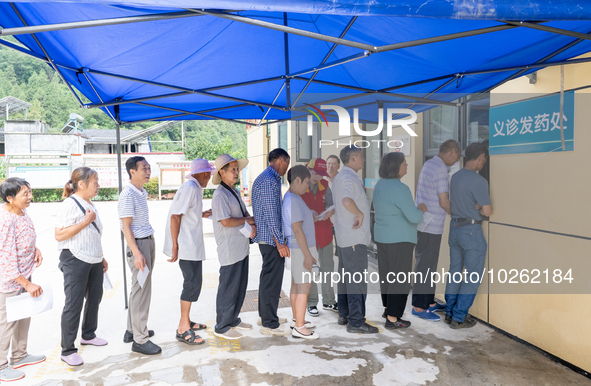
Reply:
x=134, y=203
x=466, y=189
x=433, y=180
x=296, y=210
x=232, y=246
x=188, y=202
x=349, y=184
x=17, y=249
x=86, y=244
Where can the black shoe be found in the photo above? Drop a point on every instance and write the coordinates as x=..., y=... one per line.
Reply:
x=147, y=348
x=447, y=319
x=399, y=323
x=342, y=321
x=467, y=323
x=331, y=307
x=364, y=329
x=128, y=336
x=313, y=311
x=385, y=314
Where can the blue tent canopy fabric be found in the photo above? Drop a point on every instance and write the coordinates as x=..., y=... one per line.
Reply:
x=213, y=64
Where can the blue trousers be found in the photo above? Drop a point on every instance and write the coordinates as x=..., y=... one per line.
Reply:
x=467, y=248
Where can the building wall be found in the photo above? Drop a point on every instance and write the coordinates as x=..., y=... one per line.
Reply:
x=97, y=148
x=38, y=143
x=24, y=126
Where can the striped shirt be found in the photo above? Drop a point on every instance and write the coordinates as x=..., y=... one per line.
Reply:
x=134, y=203
x=86, y=244
x=266, y=207
x=433, y=180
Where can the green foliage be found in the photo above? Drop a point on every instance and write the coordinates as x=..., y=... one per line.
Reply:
x=152, y=186
x=202, y=148
x=2, y=168
x=55, y=195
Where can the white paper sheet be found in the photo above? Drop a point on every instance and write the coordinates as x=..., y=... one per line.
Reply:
x=427, y=218
x=326, y=211
x=24, y=306
x=142, y=276
x=246, y=230
x=107, y=282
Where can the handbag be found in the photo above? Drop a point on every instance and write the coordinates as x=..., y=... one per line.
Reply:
x=84, y=211
x=244, y=214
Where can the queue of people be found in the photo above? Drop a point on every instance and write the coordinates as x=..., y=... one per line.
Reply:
x=295, y=232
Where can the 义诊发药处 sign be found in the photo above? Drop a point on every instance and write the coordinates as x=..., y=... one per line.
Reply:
x=532, y=126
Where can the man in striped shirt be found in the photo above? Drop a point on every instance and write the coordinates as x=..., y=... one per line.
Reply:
x=141, y=254
x=267, y=206
x=433, y=191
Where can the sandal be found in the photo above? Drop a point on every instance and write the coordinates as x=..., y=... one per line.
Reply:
x=189, y=338
x=197, y=326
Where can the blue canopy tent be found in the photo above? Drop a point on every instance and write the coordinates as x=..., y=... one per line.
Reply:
x=235, y=60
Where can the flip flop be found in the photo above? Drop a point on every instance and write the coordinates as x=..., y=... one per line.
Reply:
x=192, y=338
x=197, y=326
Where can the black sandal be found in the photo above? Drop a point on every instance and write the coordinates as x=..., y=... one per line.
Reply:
x=197, y=326
x=192, y=338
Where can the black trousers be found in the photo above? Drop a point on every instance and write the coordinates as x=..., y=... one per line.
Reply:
x=81, y=281
x=427, y=257
x=270, y=285
x=352, y=292
x=392, y=259
x=231, y=293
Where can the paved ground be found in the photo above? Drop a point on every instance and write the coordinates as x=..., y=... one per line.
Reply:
x=426, y=353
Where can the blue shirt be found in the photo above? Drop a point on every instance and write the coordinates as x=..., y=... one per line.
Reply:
x=266, y=205
x=395, y=212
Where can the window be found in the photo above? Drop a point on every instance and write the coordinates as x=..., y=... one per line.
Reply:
x=477, y=119
x=282, y=136
x=443, y=124
x=306, y=145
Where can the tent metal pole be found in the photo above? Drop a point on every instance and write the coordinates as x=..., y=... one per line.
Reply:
x=23, y=50
x=185, y=89
x=291, y=30
x=98, y=96
x=286, y=52
x=16, y=11
x=331, y=64
x=183, y=113
x=120, y=181
x=546, y=28
x=276, y=96
x=93, y=23
x=334, y=46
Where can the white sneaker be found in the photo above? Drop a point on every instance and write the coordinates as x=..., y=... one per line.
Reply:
x=244, y=326
x=307, y=324
x=296, y=334
x=230, y=334
x=313, y=311
x=281, y=321
x=275, y=331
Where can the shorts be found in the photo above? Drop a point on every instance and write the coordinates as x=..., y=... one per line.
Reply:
x=297, y=265
x=193, y=278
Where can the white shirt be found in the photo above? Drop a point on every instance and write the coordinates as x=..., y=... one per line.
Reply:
x=347, y=183
x=133, y=203
x=86, y=244
x=188, y=201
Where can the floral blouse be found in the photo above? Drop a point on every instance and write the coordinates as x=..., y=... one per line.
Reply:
x=17, y=249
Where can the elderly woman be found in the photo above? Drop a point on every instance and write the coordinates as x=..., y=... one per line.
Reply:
x=18, y=259
x=78, y=232
x=396, y=219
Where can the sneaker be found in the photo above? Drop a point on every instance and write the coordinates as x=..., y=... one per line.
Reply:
x=437, y=307
x=342, y=321
x=297, y=334
x=73, y=359
x=331, y=307
x=447, y=319
x=230, y=334
x=313, y=311
x=28, y=360
x=243, y=326
x=467, y=323
x=128, y=336
x=93, y=342
x=9, y=374
x=147, y=348
x=275, y=331
x=427, y=315
x=399, y=323
x=307, y=324
x=364, y=329
x=281, y=321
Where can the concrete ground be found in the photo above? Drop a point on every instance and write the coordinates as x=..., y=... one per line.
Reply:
x=425, y=353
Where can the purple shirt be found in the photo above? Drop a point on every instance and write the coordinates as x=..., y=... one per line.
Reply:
x=433, y=180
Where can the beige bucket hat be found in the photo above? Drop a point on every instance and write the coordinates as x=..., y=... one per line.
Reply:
x=222, y=161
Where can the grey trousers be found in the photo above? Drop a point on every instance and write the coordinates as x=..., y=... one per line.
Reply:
x=231, y=293
x=140, y=297
x=15, y=332
x=326, y=263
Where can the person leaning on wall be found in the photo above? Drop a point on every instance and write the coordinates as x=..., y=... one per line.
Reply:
x=18, y=258
x=78, y=231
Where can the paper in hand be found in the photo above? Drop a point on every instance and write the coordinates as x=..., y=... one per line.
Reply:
x=427, y=218
x=326, y=211
x=24, y=306
x=142, y=276
x=246, y=230
x=107, y=282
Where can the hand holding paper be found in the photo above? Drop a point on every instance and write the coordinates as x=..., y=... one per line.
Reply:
x=246, y=230
x=24, y=306
x=142, y=276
